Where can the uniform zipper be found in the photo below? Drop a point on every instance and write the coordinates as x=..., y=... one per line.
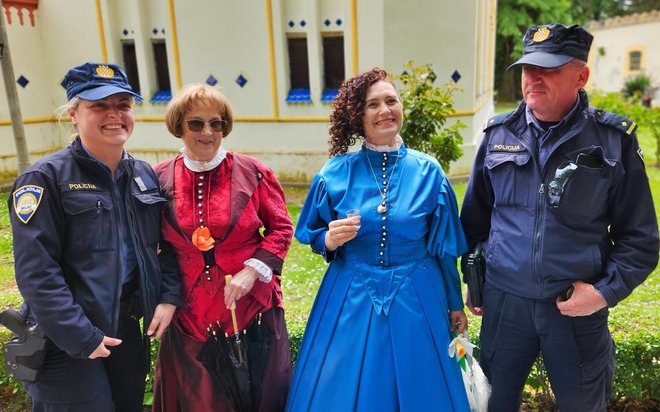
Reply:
x=538, y=234
x=137, y=246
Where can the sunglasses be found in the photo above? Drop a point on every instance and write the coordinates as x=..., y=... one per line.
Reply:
x=556, y=186
x=198, y=125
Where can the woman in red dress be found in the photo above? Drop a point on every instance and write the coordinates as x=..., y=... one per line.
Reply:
x=226, y=215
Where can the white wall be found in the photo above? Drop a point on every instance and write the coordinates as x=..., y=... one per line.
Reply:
x=613, y=40
x=227, y=38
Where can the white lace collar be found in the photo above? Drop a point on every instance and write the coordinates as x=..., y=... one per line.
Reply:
x=197, y=166
x=385, y=148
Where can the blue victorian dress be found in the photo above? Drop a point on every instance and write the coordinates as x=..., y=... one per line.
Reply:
x=378, y=333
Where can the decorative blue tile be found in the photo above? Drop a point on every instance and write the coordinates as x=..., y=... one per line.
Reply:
x=303, y=23
x=22, y=81
x=432, y=76
x=456, y=76
x=162, y=30
x=291, y=23
x=241, y=80
x=125, y=32
x=163, y=97
x=154, y=31
x=298, y=96
x=211, y=80
x=329, y=95
x=339, y=22
x=327, y=22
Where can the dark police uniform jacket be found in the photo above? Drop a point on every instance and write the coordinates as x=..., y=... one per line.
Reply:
x=65, y=221
x=601, y=228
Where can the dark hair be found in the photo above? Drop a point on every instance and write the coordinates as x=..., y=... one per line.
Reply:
x=347, y=117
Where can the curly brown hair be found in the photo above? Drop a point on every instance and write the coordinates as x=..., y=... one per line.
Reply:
x=346, y=119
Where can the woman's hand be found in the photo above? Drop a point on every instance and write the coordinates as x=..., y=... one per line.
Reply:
x=458, y=319
x=241, y=284
x=341, y=231
x=161, y=320
x=102, y=351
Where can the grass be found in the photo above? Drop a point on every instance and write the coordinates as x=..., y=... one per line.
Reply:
x=303, y=271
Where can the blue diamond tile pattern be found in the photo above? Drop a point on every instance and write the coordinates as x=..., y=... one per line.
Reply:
x=241, y=80
x=162, y=31
x=327, y=22
x=432, y=76
x=22, y=81
x=339, y=22
x=211, y=80
x=154, y=31
x=163, y=97
x=329, y=95
x=125, y=32
x=303, y=23
x=291, y=23
x=456, y=76
x=298, y=96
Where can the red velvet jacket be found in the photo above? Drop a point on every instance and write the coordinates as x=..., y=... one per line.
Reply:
x=235, y=200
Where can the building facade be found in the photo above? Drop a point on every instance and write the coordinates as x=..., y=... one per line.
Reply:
x=625, y=47
x=279, y=62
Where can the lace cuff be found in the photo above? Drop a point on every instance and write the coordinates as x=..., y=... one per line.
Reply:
x=265, y=273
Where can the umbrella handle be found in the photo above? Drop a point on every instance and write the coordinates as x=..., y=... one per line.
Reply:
x=233, y=307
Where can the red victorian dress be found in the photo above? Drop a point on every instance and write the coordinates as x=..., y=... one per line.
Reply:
x=235, y=200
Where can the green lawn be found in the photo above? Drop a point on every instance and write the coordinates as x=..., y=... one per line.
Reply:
x=632, y=320
x=303, y=270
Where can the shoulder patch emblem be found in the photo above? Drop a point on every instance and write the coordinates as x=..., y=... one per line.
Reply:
x=640, y=153
x=26, y=201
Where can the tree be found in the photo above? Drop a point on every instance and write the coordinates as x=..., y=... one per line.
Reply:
x=514, y=17
x=426, y=108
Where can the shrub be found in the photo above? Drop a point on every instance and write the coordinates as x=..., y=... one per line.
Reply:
x=647, y=118
x=426, y=108
x=637, y=86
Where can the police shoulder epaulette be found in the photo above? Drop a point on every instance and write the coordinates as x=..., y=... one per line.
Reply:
x=496, y=120
x=616, y=121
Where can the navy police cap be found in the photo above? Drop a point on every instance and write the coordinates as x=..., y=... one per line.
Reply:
x=554, y=45
x=96, y=81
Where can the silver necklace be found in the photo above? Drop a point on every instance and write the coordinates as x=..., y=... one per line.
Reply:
x=382, y=206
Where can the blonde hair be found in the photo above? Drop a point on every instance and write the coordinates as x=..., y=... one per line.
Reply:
x=192, y=95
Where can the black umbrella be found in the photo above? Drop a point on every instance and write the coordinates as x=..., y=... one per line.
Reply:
x=223, y=358
x=259, y=338
x=237, y=362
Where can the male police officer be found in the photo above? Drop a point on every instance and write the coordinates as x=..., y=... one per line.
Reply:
x=560, y=194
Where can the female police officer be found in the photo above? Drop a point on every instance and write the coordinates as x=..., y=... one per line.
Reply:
x=86, y=223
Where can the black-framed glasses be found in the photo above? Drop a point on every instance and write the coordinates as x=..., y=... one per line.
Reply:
x=556, y=186
x=196, y=125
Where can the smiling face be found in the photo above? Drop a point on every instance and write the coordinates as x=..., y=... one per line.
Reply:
x=551, y=93
x=383, y=114
x=106, y=124
x=202, y=145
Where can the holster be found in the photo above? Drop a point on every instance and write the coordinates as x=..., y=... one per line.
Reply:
x=473, y=266
x=26, y=351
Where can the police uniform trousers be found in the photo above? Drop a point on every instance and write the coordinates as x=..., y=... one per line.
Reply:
x=111, y=384
x=578, y=352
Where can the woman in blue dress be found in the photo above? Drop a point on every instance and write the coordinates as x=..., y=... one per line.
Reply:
x=377, y=335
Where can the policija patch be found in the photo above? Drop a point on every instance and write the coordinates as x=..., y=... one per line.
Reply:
x=26, y=201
